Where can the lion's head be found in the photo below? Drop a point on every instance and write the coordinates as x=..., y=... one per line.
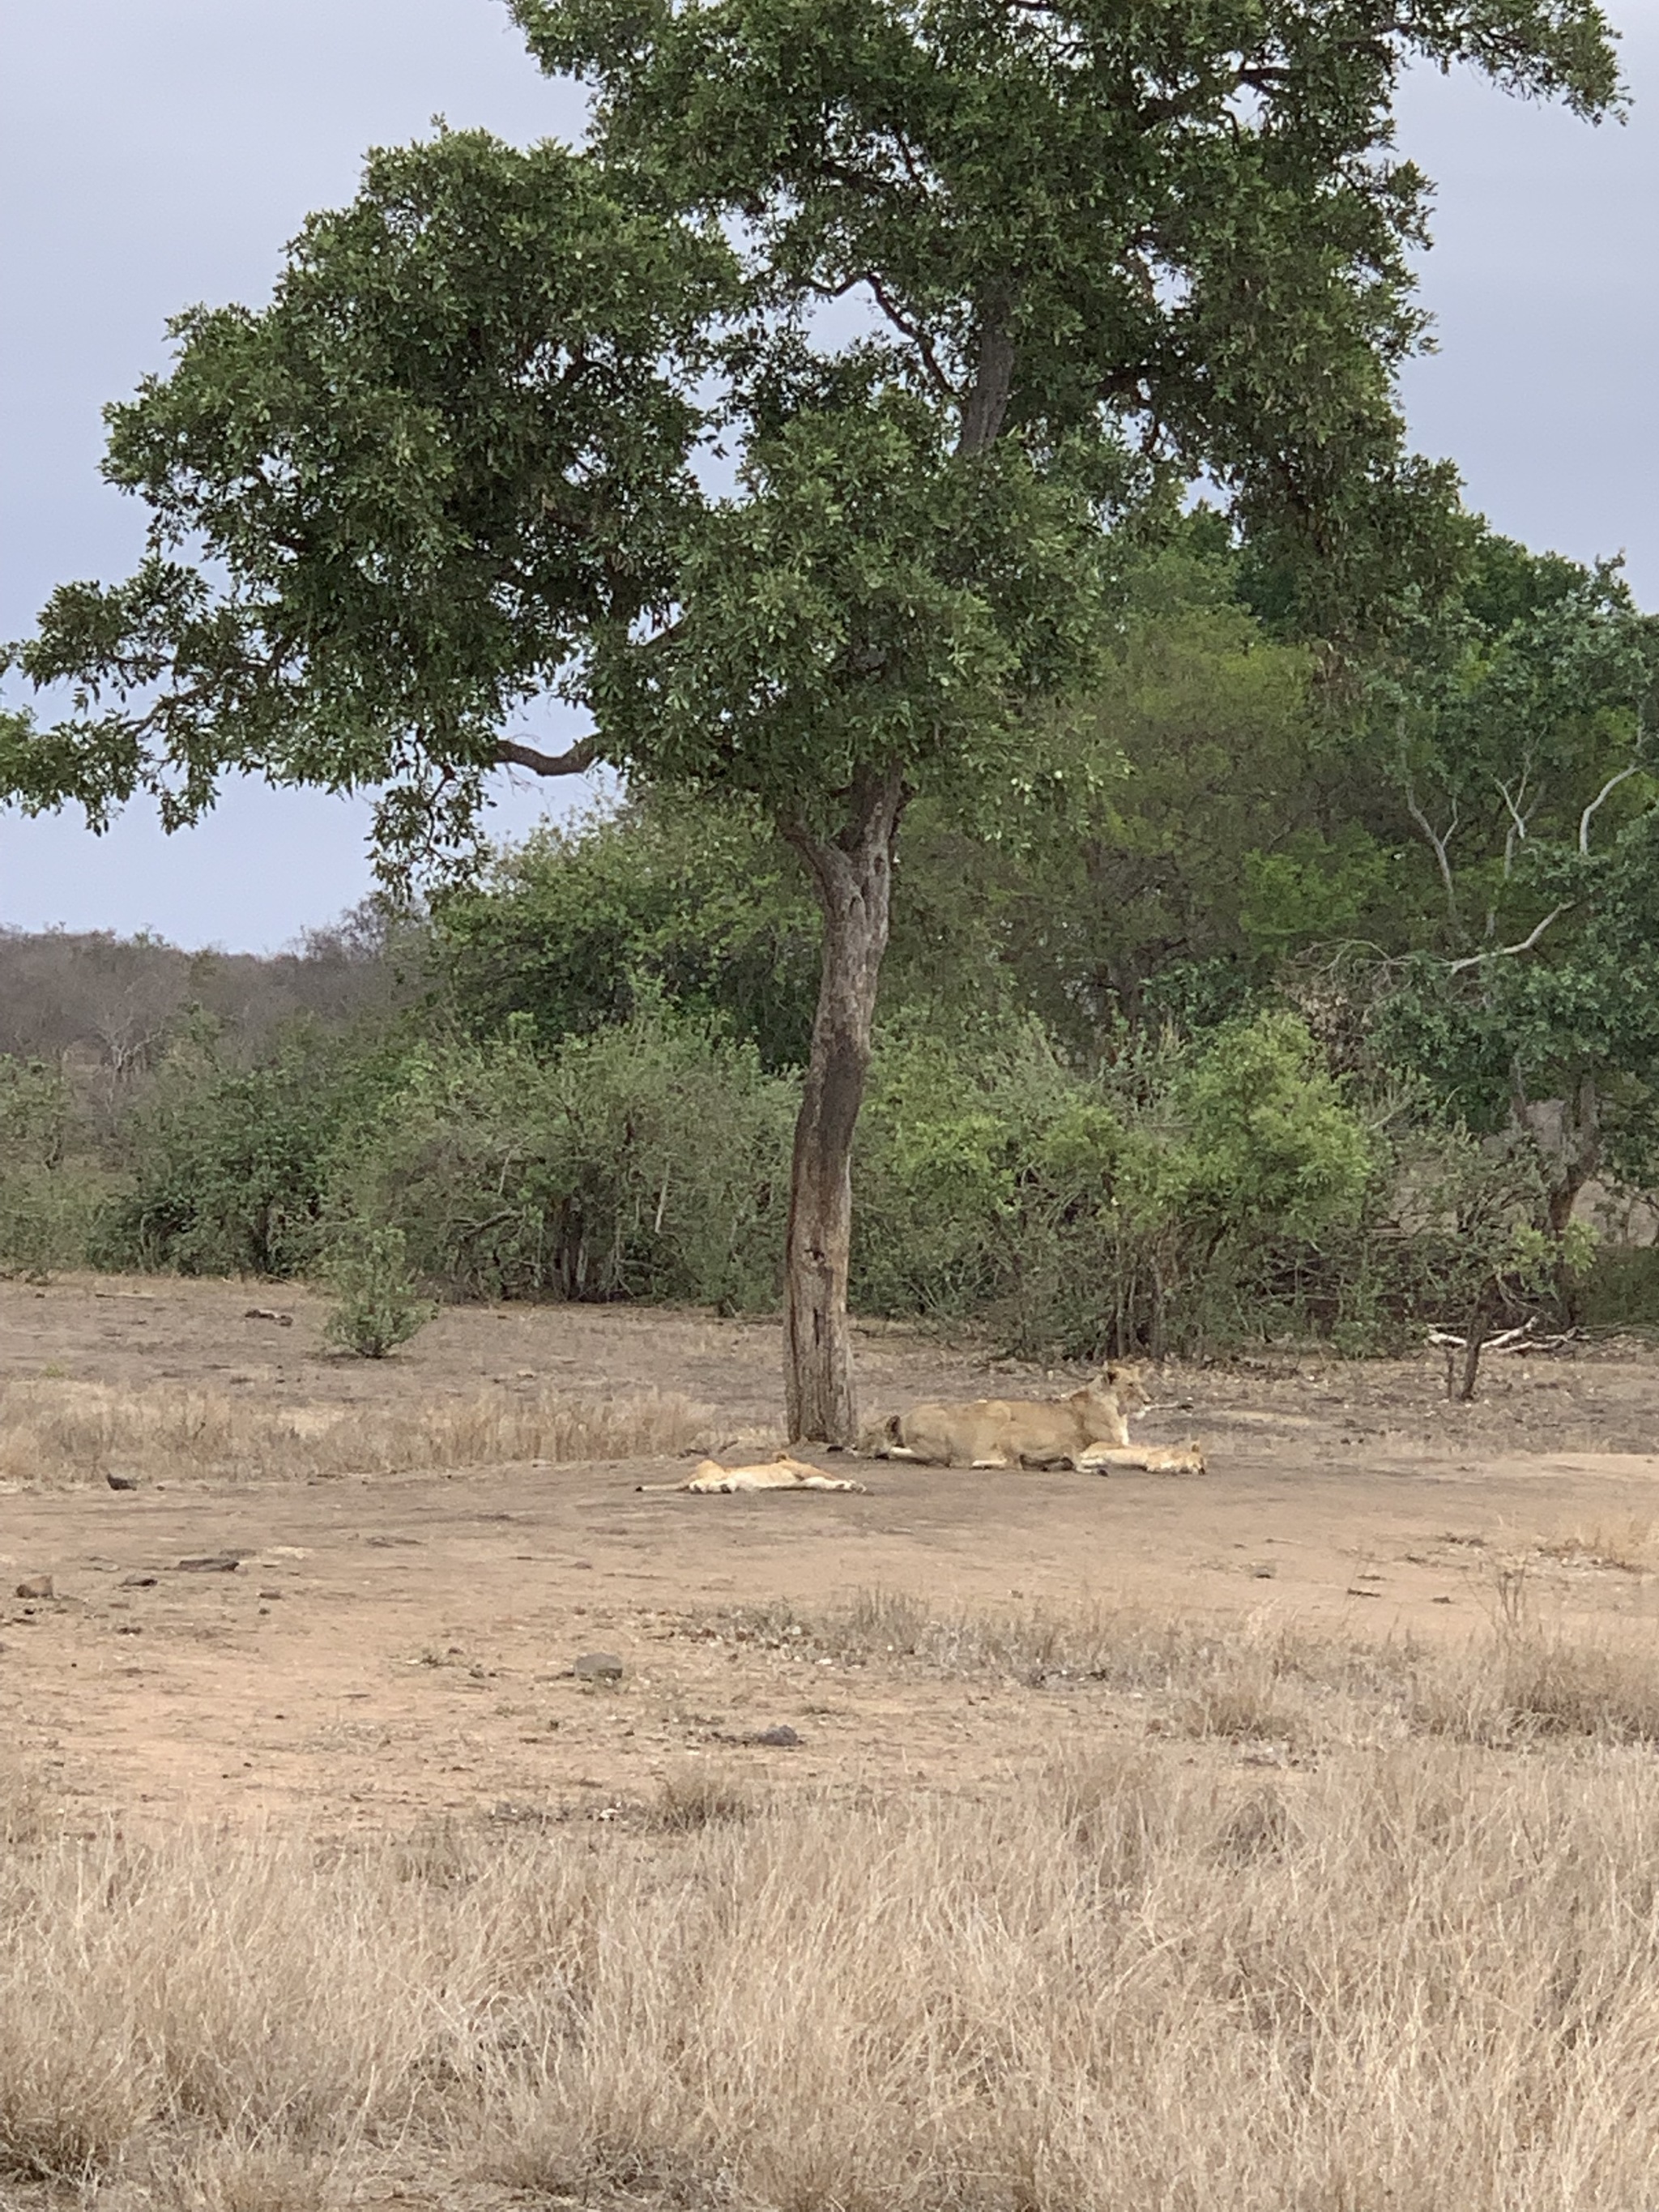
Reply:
x=1123, y=1381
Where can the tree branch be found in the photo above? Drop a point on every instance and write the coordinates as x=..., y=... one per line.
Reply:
x=1508, y=952
x=986, y=401
x=1518, y=821
x=1605, y=791
x=918, y=338
x=580, y=758
x=1438, y=845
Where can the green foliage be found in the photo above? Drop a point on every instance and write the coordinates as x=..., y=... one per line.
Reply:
x=452, y=448
x=229, y=1163
x=378, y=1306
x=1266, y=1138
x=1143, y=1206
x=54, y=1190
x=40, y=1115
x=448, y=470
x=647, y=1160
x=873, y=602
x=579, y=928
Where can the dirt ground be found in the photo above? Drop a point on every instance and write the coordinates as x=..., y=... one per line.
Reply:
x=391, y=1649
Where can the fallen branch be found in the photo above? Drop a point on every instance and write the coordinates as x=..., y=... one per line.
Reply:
x=1521, y=1338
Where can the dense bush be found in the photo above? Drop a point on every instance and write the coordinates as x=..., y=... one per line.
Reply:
x=229, y=1163
x=647, y=1160
x=1153, y=1204
x=55, y=1191
x=700, y=908
x=1189, y=1193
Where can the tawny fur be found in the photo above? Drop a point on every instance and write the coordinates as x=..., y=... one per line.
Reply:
x=1089, y=1430
x=709, y=1477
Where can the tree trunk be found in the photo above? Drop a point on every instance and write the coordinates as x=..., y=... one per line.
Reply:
x=1567, y=1132
x=853, y=875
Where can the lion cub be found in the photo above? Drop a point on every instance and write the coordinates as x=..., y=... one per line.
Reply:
x=709, y=1476
x=1089, y=1430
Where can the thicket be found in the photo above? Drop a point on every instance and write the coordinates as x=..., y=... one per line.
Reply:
x=1217, y=1033
x=1189, y=1194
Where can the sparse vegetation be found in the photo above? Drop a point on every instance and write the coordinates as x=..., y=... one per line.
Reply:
x=54, y=1431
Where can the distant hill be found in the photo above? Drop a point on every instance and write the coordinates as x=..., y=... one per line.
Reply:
x=93, y=997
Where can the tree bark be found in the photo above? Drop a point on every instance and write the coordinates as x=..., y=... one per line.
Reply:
x=853, y=875
x=1568, y=1134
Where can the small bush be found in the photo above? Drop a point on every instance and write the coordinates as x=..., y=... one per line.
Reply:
x=379, y=1305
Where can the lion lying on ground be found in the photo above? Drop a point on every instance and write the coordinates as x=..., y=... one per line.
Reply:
x=1089, y=1430
x=709, y=1476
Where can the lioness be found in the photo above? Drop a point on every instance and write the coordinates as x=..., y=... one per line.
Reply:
x=709, y=1476
x=1089, y=1430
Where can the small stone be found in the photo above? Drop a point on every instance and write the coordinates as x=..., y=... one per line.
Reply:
x=120, y=1481
x=598, y=1666
x=37, y=1586
x=781, y=1738
x=137, y=1582
x=270, y=1593
x=211, y=1563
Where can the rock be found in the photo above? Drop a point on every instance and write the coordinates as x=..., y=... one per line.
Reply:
x=598, y=1666
x=121, y=1482
x=139, y=1582
x=780, y=1738
x=211, y=1563
x=37, y=1586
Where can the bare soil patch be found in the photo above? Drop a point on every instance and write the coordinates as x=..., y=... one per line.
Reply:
x=390, y=1645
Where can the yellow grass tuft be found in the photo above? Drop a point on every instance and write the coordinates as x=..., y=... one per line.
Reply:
x=65, y=1432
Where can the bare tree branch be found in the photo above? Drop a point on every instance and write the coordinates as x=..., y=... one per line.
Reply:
x=1519, y=822
x=1438, y=845
x=1605, y=791
x=1508, y=952
x=581, y=757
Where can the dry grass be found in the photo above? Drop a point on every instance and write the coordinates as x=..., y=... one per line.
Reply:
x=1416, y=1973
x=66, y=1433
x=1424, y=1980
x=1267, y=1680
x=1626, y=1545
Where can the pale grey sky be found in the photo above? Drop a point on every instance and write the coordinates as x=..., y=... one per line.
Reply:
x=153, y=153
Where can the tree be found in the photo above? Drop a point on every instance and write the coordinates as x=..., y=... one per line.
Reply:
x=467, y=454
x=1517, y=729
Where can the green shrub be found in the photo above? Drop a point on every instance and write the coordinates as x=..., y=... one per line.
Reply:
x=1623, y=1291
x=229, y=1163
x=1185, y=1194
x=379, y=1306
x=647, y=1160
x=52, y=1218
x=55, y=1193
